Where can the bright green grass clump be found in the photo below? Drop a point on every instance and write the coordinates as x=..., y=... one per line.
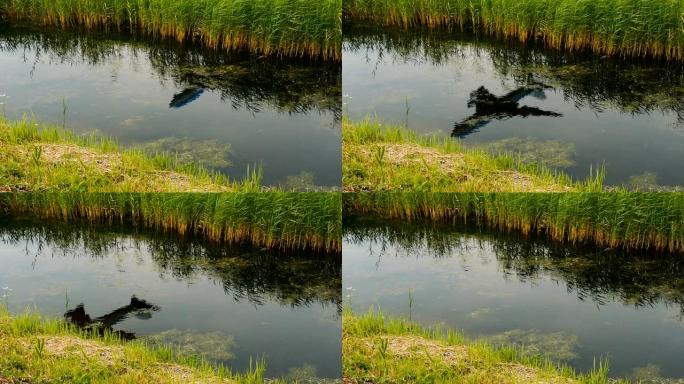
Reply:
x=640, y=28
x=294, y=28
x=276, y=220
x=633, y=221
x=34, y=349
x=392, y=158
x=36, y=157
x=390, y=350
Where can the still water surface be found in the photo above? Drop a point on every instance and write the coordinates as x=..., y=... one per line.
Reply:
x=571, y=112
x=228, y=305
x=227, y=111
x=574, y=305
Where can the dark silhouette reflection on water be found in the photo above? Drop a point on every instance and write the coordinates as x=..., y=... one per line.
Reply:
x=489, y=107
x=245, y=81
x=227, y=304
x=244, y=273
x=141, y=309
x=186, y=97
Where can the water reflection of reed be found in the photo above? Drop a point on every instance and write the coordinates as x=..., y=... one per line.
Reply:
x=631, y=86
x=244, y=274
x=244, y=81
x=597, y=274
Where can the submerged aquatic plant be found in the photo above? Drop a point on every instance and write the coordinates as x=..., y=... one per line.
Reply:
x=610, y=27
x=3, y=101
x=296, y=28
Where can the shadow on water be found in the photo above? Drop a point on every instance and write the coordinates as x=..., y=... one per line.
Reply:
x=489, y=107
x=141, y=309
x=226, y=304
x=245, y=273
x=226, y=111
x=634, y=87
x=626, y=115
x=244, y=81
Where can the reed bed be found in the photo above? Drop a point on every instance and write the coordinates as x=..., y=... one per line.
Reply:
x=289, y=222
x=629, y=28
x=290, y=28
x=629, y=221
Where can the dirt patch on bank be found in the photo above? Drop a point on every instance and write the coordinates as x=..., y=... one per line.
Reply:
x=112, y=165
x=458, y=167
x=459, y=356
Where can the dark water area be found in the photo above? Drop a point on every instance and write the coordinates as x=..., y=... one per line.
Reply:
x=227, y=305
x=572, y=112
x=226, y=111
x=574, y=305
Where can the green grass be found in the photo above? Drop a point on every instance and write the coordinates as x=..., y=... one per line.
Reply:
x=392, y=158
x=276, y=220
x=35, y=349
x=293, y=28
x=38, y=157
x=638, y=28
x=382, y=350
x=631, y=221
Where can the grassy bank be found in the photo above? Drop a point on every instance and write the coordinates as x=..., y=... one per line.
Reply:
x=633, y=221
x=392, y=158
x=37, y=157
x=277, y=220
x=34, y=349
x=297, y=28
x=382, y=350
x=612, y=27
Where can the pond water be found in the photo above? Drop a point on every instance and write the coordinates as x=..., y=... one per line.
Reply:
x=227, y=111
x=227, y=305
x=569, y=111
x=573, y=305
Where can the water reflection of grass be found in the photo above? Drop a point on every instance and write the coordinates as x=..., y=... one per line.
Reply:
x=380, y=349
x=392, y=158
x=604, y=276
x=36, y=349
x=291, y=28
x=244, y=81
x=632, y=87
x=612, y=27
